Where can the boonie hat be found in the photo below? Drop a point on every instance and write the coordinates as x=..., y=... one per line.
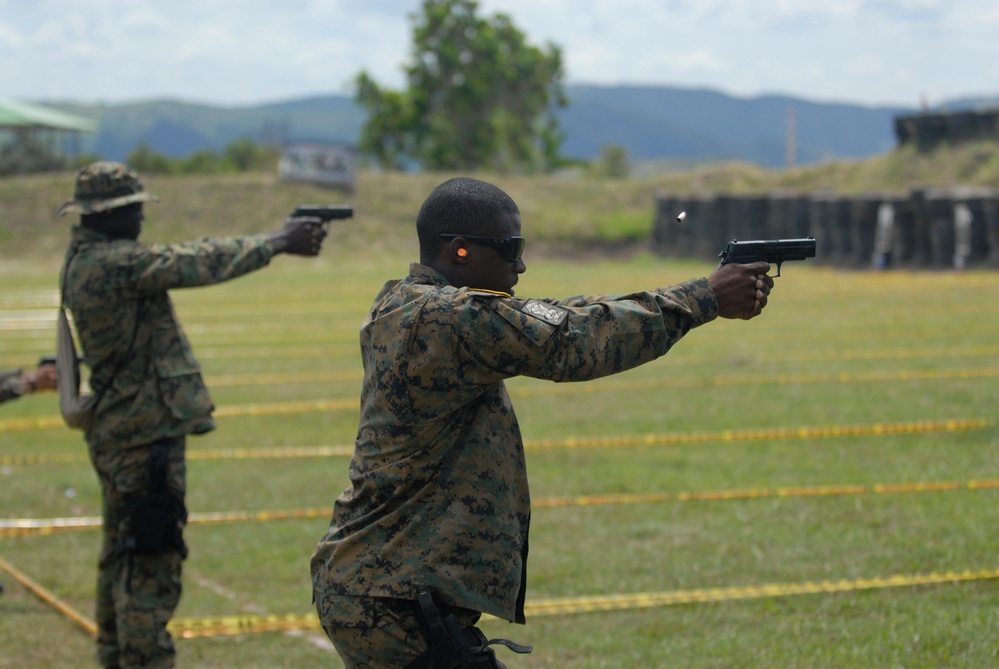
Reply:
x=105, y=185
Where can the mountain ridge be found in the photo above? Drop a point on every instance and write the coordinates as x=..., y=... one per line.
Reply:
x=650, y=122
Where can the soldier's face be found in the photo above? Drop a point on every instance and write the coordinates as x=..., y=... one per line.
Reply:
x=128, y=221
x=489, y=267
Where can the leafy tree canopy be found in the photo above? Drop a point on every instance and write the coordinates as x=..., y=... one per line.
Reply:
x=478, y=96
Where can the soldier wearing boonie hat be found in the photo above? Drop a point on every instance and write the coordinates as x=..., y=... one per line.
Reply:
x=150, y=394
x=105, y=185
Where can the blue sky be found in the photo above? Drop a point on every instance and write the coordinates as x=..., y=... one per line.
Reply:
x=239, y=52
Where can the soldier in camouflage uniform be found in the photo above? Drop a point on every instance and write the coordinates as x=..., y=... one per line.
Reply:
x=151, y=394
x=17, y=382
x=439, y=499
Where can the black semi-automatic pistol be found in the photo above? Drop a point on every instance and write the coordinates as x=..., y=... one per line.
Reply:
x=773, y=251
x=327, y=212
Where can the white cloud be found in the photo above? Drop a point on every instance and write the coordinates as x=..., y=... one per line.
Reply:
x=866, y=51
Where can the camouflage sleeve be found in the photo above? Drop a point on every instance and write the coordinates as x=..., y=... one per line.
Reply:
x=160, y=267
x=10, y=385
x=579, y=338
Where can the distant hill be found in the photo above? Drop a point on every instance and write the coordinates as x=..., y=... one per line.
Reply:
x=651, y=123
x=686, y=124
x=178, y=128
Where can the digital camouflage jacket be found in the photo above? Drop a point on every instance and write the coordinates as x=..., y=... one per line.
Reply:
x=439, y=496
x=10, y=385
x=117, y=293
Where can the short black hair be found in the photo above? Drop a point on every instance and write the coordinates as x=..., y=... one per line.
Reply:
x=462, y=205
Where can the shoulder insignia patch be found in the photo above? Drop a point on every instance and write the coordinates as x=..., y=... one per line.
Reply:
x=544, y=311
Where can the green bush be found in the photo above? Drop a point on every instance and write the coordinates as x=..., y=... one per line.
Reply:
x=241, y=155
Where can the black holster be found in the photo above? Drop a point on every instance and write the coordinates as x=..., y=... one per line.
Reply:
x=453, y=646
x=154, y=519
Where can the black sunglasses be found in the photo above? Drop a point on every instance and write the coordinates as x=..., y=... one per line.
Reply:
x=511, y=248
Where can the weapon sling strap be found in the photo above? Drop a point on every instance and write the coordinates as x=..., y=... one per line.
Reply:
x=63, y=309
x=453, y=646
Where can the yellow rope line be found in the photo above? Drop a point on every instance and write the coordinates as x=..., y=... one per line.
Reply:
x=189, y=628
x=864, y=376
x=571, y=605
x=572, y=442
x=49, y=598
x=277, y=378
x=761, y=493
x=18, y=527
x=293, y=407
x=284, y=452
x=761, y=434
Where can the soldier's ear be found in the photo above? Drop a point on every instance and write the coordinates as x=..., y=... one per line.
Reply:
x=458, y=250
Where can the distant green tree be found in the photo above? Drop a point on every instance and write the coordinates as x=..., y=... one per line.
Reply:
x=614, y=161
x=241, y=155
x=386, y=133
x=478, y=96
x=245, y=155
x=204, y=161
x=147, y=160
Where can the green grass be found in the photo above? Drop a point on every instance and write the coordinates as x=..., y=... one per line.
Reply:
x=833, y=349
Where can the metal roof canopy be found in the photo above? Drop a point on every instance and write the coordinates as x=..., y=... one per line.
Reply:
x=15, y=114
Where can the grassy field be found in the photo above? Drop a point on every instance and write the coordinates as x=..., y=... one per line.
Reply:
x=815, y=488
x=583, y=212
x=810, y=489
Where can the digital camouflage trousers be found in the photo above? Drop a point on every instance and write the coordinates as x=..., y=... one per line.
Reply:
x=138, y=591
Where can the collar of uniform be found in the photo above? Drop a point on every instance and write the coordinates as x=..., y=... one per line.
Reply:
x=428, y=275
x=82, y=234
x=423, y=274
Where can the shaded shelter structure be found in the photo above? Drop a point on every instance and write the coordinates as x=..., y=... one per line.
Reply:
x=32, y=136
x=927, y=228
x=929, y=130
